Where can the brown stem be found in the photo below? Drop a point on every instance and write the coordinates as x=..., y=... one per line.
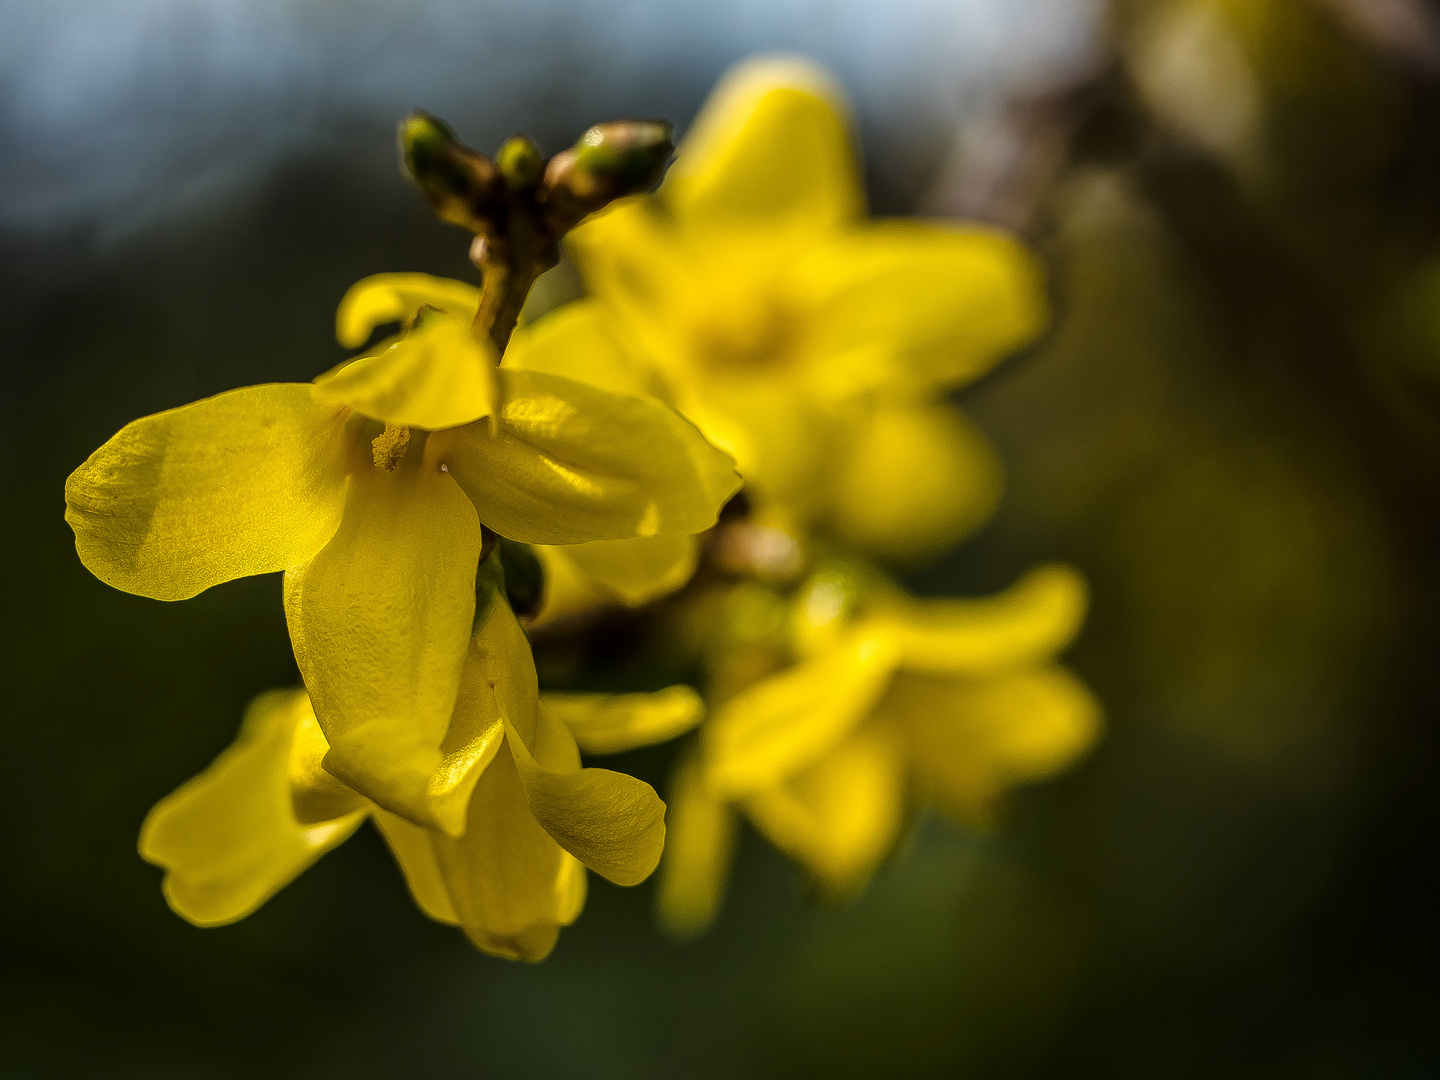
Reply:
x=502, y=294
x=508, y=268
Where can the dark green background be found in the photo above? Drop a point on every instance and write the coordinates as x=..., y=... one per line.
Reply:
x=1231, y=429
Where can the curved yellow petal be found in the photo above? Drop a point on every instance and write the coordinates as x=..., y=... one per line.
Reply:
x=411, y=847
x=567, y=592
x=572, y=463
x=1030, y=621
x=913, y=481
x=380, y=621
x=498, y=682
x=247, y=482
x=772, y=148
x=611, y=723
x=840, y=817
x=783, y=723
x=909, y=305
x=611, y=822
x=638, y=569
x=971, y=739
x=582, y=577
x=227, y=839
x=386, y=298
x=439, y=375
x=576, y=341
x=315, y=795
x=699, y=848
x=511, y=885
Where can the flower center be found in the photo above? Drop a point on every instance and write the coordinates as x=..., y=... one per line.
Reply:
x=758, y=338
x=389, y=446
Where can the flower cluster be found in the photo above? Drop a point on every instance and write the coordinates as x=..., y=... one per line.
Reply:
x=456, y=481
x=816, y=346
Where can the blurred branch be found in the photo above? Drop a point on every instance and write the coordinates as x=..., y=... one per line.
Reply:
x=1406, y=30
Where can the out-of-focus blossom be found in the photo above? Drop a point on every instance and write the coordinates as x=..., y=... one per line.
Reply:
x=841, y=707
x=816, y=346
x=530, y=818
x=811, y=342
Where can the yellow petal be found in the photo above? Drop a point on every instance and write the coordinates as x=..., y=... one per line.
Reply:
x=247, y=482
x=971, y=739
x=571, y=463
x=611, y=723
x=576, y=341
x=227, y=840
x=613, y=823
x=386, y=298
x=511, y=885
x=635, y=263
x=315, y=795
x=781, y=724
x=380, y=621
x=783, y=443
x=637, y=570
x=771, y=148
x=498, y=682
x=1031, y=621
x=411, y=847
x=840, y=817
x=699, y=848
x=582, y=577
x=913, y=481
x=912, y=305
x=567, y=591
x=439, y=375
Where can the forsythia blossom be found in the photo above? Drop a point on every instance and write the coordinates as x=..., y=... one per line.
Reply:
x=369, y=488
x=532, y=818
x=878, y=699
x=812, y=343
x=373, y=488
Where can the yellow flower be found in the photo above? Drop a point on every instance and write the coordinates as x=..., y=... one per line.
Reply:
x=813, y=344
x=532, y=818
x=369, y=488
x=889, y=700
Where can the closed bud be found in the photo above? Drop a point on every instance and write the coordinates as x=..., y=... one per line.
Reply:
x=520, y=163
x=610, y=161
x=458, y=182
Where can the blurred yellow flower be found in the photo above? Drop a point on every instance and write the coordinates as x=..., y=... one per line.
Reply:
x=369, y=488
x=839, y=708
x=810, y=342
x=892, y=700
x=531, y=819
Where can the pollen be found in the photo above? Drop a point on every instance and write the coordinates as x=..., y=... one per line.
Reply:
x=389, y=446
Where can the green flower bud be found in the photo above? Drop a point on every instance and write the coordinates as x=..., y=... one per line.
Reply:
x=610, y=161
x=631, y=154
x=458, y=182
x=520, y=163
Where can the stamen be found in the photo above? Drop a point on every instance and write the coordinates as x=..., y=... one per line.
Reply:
x=389, y=446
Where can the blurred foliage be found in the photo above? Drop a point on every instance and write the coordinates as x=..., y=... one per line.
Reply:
x=1232, y=428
